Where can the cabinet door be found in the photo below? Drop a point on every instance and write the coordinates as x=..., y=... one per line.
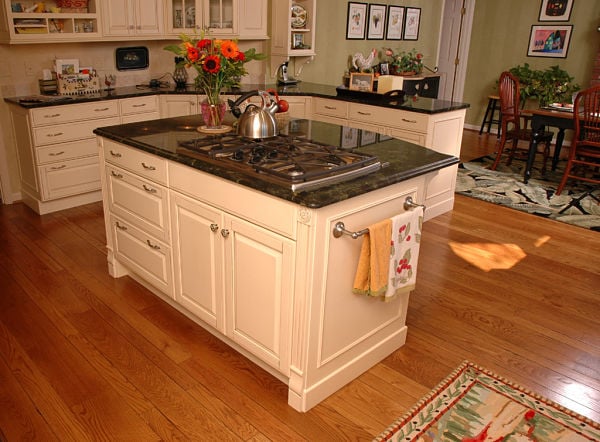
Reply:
x=67, y=178
x=252, y=19
x=117, y=17
x=148, y=17
x=221, y=17
x=198, y=258
x=178, y=105
x=259, y=285
x=132, y=17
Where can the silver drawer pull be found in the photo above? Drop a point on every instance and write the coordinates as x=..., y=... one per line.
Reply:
x=120, y=226
x=149, y=189
x=330, y=107
x=145, y=166
x=57, y=134
x=55, y=154
x=52, y=116
x=115, y=154
x=214, y=227
x=62, y=166
x=152, y=246
x=104, y=109
x=409, y=121
x=115, y=174
x=140, y=105
x=364, y=113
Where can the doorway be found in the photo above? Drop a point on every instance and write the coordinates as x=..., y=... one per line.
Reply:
x=455, y=38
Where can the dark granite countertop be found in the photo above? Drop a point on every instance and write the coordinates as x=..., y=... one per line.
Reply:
x=413, y=104
x=402, y=160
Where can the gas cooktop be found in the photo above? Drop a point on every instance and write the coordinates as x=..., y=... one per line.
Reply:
x=288, y=160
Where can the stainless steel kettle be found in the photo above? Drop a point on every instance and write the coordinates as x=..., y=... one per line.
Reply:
x=256, y=121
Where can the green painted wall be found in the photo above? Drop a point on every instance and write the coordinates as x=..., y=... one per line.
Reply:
x=499, y=40
x=334, y=51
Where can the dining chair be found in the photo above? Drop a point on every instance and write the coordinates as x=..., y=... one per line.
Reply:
x=584, y=153
x=511, y=114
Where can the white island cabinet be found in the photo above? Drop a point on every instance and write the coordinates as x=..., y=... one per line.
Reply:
x=263, y=273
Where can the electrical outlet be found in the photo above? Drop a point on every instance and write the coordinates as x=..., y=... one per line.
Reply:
x=29, y=71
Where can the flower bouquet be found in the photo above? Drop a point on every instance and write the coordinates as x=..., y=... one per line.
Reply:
x=219, y=64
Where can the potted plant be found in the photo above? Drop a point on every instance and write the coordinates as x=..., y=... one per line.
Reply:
x=552, y=85
x=404, y=63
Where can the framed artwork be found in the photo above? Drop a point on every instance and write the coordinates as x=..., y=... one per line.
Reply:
x=297, y=41
x=349, y=137
x=411, y=23
x=361, y=81
x=357, y=21
x=367, y=137
x=556, y=10
x=549, y=41
x=376, y=27
x=395, y=20
x=67, y=67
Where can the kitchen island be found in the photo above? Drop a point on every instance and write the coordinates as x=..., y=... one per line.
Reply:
x=252, y=261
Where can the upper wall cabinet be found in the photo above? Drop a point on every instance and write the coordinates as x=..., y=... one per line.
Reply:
x=48, y=22
x=293, y=30
x=133, y=18
x=220, y=18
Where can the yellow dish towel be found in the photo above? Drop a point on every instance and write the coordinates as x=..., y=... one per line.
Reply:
x=387, y=265
x=374, y=262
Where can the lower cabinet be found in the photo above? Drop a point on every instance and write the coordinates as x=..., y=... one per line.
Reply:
x=234, y=275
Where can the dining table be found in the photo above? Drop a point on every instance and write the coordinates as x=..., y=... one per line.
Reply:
x=561, y=118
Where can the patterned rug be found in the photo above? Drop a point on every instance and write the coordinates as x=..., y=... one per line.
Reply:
x=505, y=187
x=476, y=405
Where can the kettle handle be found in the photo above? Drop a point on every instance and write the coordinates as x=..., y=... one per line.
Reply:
x=235, y=105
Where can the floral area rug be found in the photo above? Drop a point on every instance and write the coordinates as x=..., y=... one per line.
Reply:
x=474, y=404
x=505, y=187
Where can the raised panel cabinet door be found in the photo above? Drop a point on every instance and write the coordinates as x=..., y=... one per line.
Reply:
x=149, y=17
x=259, y=286
x=198, y=259
x=178, y=105
x=118, y=17
x=252, y=18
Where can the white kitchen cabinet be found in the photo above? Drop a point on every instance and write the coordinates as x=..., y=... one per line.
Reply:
x=253, y=18
x=176, y=105
x=133, y=18
x=139, y=108
x=47, y=26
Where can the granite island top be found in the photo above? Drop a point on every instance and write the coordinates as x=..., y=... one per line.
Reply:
x=402, y=160
x=410, y=103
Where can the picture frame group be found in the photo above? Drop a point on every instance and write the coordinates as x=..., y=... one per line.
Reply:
x=375, y=21
x=551, y=40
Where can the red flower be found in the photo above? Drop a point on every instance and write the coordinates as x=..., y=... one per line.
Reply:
x=419, y=56
x=240, y=56
x=192, y=54
x=408, y=238
x=529, y=415
x=212, y=64
x=203, y=44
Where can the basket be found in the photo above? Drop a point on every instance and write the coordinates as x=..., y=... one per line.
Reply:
x=282, y=119
x=76, y=6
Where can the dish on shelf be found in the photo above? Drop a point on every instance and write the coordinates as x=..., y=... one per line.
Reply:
x=299, y=16
x=190, y=17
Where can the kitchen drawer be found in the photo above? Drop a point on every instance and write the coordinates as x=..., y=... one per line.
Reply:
x=147, y=256
x=406, y=135
x=139, y=201
x=67, y=178
x=332, y=108
x=134, y=118
x=80, y=130
x=388, y=117
x=66, y=151
x=139, y=104
x=74, y=112
x=141, y=163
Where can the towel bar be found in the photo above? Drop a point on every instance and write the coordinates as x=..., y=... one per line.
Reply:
x=340, y=229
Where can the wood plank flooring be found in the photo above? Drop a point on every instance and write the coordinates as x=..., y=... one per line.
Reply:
x=84, y=356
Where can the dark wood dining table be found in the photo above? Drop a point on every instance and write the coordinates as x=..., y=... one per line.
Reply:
x=540, y=118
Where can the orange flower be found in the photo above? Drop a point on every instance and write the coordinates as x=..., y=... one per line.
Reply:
x=229, y=49
x=192, y=54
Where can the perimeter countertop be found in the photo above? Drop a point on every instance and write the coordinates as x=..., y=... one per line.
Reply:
x=402, y=160
x=411, y=103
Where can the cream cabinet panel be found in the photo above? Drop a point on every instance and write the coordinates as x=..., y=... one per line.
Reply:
x=252, y=19
x=198, y=259
x=66, y=151
x=136, y=161
x=74, y=112
x=61, y=133
x=330, y=108
x=141, y=18
x=178, y=105
x=69, y=178
x=139, y=105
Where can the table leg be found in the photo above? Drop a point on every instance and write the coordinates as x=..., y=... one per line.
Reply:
x=559, y=141
x=536, y=128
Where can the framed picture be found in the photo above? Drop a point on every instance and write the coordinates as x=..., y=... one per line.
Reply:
x=411, y=23
x=361, y=81
x=376, y=27
x=67, y=67
x=349, y=137
x=367, y=137
x=384, y=68
x=549, y=41
x=395, y=20
x=297, y=41
x=556, y=10
x=357, y=20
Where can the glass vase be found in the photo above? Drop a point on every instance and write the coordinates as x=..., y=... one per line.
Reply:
x=213, y=114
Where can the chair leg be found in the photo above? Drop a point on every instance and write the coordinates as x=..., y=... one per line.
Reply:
x=512, y=152
x=546, y=155
x=501, y=144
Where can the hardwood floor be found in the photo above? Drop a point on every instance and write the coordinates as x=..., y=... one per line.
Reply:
x=84, y=356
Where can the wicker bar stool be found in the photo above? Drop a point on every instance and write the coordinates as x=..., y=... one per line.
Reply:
x=492, y=107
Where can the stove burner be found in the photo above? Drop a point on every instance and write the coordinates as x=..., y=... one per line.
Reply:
x=291, y=160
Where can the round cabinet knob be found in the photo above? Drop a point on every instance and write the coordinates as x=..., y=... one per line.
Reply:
x=225, y=233
x=214, y=227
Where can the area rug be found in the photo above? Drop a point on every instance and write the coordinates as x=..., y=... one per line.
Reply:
x=473, y=404
x=505, y=187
